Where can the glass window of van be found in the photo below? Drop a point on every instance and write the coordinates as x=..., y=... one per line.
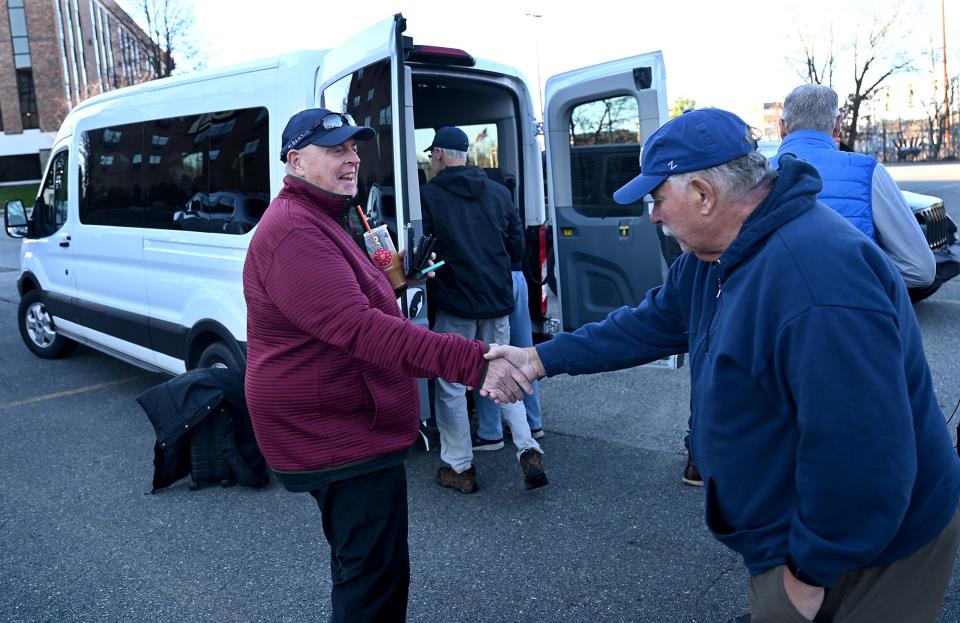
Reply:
x=363, y=94
x=604, y=155
x=50, y=209
x=483, y=150
x=207, y=172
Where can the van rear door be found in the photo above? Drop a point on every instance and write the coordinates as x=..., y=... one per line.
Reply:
x=366, y=77
x=596, y=120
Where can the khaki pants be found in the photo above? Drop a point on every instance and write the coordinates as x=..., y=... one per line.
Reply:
x=910, y=589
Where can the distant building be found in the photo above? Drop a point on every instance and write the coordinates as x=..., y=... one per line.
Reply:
x=772, y=112
x=54, y=54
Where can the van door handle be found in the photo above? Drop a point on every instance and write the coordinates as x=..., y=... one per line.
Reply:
x=65, y=242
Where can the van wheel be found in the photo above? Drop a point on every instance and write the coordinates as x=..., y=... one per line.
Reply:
x=38, y=330
x=219, y=355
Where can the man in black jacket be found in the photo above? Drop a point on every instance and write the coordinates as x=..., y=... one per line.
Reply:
x=479, y=235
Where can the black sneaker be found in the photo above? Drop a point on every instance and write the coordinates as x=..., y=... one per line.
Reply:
x=531, y=464
x=484, y=445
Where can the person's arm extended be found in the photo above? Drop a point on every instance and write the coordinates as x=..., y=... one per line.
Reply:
x=898, y=232
x=626, y=338
x=325, y=301
x=856, y=458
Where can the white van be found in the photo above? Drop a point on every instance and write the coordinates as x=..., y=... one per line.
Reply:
x=136, y=242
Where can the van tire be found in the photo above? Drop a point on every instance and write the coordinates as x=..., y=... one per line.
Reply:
x=219, y=355
x=37, y=329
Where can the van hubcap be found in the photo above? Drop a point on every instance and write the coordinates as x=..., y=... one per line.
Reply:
x=39, y=325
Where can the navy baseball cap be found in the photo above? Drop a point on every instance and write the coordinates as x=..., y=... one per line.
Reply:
x=319, y=126
x=450, y=138
x=696, y=140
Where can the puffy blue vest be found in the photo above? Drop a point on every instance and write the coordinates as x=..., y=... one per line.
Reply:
x=847, y=177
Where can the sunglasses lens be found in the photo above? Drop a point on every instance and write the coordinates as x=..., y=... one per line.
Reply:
x=336, y=120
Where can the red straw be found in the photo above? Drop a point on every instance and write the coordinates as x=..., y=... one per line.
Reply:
x=363, y=218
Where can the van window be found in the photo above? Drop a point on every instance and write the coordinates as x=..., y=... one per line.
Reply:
x=50, y=209
x=208, y=172
x=365, y=95
x=604, y=155
x=484, y=149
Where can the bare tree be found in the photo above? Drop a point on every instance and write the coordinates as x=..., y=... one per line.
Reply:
x=603, y=122
x=813, y=69
x=169, y=24
x=877, y=55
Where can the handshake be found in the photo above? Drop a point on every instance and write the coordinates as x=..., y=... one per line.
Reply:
x=510, y=372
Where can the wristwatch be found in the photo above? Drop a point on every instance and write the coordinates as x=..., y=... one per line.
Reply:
x=799, y=573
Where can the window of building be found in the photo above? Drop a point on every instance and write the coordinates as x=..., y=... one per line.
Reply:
x=97, y=46
x=84, y=81
x=108, y=51
x=28, y=100
x=71, y=50
x=206, y=173
x=20, y=168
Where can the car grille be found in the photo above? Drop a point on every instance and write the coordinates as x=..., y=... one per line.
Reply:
x=937, y=226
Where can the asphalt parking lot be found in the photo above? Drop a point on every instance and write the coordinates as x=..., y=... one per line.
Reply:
x=614, y=537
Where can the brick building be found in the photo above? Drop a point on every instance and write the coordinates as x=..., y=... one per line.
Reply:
x=53, y=54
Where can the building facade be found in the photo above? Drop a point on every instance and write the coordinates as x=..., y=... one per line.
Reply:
x=53, y=55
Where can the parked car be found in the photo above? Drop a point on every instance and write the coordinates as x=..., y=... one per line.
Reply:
x=937, y=226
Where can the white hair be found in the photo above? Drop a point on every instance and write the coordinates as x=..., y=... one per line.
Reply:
x=733, y=179
x=455, y=154
x=811, y=107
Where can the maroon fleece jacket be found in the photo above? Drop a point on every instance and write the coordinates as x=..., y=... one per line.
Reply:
x=331, y=361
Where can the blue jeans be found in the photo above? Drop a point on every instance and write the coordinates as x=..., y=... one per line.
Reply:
x=489, y=425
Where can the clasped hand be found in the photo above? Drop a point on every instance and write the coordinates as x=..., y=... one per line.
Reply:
x=510, y=373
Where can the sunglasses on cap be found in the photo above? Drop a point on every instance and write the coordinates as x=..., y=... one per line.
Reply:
x=329, y=122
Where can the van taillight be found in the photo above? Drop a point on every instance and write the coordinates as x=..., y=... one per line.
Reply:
x=543, y=271
x=439, y=55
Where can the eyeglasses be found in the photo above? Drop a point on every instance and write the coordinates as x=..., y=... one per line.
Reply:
x=328, y=122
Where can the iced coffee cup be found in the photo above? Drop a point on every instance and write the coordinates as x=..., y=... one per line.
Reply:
x=384, y=255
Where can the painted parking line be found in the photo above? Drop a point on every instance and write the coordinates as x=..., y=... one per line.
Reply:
x=72, y=392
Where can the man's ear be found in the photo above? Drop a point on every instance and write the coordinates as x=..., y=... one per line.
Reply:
x=836, y=127
x=705, y=195
x=293, y=159
x=783, y=130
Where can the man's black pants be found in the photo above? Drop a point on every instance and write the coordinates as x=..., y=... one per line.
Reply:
x=365, y=523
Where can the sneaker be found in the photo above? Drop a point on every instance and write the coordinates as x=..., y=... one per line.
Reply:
x=537, y=433
x=691, y=475
x=531, y=464
x=479, y=443
x=464, y=482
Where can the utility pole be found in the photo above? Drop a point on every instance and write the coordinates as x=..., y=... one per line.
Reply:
x=946, y=84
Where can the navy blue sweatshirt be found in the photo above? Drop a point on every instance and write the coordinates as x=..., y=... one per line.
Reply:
x=815, y=424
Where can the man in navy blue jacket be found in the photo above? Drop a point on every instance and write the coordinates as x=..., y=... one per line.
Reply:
x=826, y=460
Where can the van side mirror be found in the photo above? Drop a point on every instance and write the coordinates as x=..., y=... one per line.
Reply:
x=15, y=218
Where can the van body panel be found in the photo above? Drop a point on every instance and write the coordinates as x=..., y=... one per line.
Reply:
x=607, y=256
x=146, y=289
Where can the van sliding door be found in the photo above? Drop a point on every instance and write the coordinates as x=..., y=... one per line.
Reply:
x=596, y=120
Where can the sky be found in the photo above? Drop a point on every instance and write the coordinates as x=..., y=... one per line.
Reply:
x=733, y=54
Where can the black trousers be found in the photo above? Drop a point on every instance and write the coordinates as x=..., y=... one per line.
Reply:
x=365, y=523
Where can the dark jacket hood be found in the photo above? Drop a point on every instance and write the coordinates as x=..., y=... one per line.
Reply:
x=463, y=181
x=794, y=192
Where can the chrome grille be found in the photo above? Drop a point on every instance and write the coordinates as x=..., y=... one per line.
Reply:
x=936, y=225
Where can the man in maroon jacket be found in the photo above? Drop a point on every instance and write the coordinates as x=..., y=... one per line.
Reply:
x=331, y=368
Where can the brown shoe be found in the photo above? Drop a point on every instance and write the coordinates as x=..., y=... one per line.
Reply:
x=464, y=482
x=531, y=464
x=691, y=475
